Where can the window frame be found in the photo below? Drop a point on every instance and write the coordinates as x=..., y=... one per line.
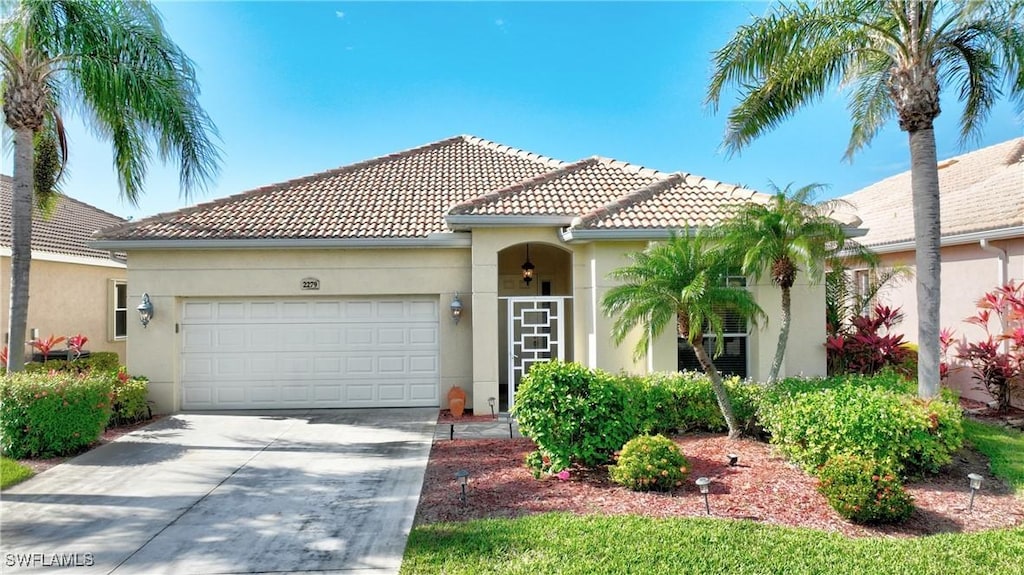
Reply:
x=117, y=285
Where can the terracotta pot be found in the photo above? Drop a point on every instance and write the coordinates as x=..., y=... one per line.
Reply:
x=456, y=401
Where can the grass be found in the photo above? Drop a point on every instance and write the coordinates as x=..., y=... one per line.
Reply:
x=570, y=544
x=1004, y=448
x=12, y=472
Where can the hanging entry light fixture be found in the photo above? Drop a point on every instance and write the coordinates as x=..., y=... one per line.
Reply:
x=528, y=267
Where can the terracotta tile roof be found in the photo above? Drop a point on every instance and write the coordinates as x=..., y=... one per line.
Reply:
x=981, y=190
x=570, y=191
x=678, y=201
x=402, y=195
x=410, y=193
x=66, y=231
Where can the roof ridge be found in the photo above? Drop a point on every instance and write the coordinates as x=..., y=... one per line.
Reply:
x=632, y=198
x=633, y=168
x=733, y=190
x=275, y=187
x=523, y=185
x=517, y=152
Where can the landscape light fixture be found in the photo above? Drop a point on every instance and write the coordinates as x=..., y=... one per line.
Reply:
x=704, y=484
x=463, y=478
x=528, y=267
x=733, y=459
x=145, y=310
x=490, y=402
x=456, y=307
x=975, y=480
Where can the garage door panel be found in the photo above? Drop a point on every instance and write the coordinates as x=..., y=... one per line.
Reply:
x=358, y=310
x=310, y=353
x=392, y=335
x=424, y=310
x=359, y=392
x=422, y=336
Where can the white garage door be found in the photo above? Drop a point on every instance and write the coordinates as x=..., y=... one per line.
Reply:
x=292, y=353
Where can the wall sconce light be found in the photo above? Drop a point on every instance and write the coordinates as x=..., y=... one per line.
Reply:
x=145, y=310
x=975, y=480
x=704, y=484
x=462, y=476
x=733, y=459
x=456, y=307
x=528, y=267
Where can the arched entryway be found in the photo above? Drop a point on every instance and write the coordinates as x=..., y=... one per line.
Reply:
x=534, y=312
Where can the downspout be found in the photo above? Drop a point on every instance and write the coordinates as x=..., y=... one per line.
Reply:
x=1000, y=255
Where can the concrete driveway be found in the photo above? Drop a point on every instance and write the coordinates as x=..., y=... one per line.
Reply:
x=327, y=491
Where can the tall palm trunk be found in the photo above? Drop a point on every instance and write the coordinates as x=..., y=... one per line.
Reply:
x=718, y=386
x=780, y=347
x=21, y=245
x=924, y=183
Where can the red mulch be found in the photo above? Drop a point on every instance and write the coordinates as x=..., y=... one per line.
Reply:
x=763, y=488
x=110, y=434
x=467, y=417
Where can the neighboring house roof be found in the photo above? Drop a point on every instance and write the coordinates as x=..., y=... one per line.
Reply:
x=448, y=185
x=65, y=232
x=979, y=191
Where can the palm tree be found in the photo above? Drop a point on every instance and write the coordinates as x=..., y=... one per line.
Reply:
x=785, y=236
x=113, y=62
x=892, y=55
x=682, y=282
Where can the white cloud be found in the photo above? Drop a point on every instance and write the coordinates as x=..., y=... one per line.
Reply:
x=339, y=14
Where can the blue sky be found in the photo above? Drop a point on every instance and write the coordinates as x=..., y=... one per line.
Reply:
x=300, y=87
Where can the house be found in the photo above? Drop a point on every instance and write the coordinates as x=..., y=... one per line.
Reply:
x=387, y=282
x=982, y=218
x=73, y=288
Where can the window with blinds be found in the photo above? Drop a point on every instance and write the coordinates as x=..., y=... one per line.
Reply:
x=733, y=360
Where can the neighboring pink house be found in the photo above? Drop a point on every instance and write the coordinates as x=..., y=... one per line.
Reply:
x=982, y=211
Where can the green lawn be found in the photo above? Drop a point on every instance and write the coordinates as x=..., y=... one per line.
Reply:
x=561, y=543
x=1003, y=447
x=12, y=472
x=567, y=544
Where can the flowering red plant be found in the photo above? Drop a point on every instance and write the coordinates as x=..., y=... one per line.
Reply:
x=45, y=346
x=997, y=362
x=76, y=343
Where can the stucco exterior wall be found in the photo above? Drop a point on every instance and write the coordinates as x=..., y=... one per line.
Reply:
x=968, y=272
x=169, y=276
x=67, y=299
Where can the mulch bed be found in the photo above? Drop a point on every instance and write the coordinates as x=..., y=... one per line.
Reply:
x=763, y=488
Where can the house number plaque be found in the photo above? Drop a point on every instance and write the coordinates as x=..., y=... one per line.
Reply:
x=310, y=284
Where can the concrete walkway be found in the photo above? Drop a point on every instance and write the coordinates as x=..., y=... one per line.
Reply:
x=325, y=491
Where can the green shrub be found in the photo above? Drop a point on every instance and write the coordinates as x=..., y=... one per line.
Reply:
x=684, y=401
x=47, y=415
x=129, y=401
x=105, y=361
x=573, y=414
x=650, y=463
x=819, y=419
x=864, y=491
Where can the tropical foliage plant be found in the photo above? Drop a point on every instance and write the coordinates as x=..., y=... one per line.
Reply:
x=890, y=57
x=783, y=237
x=680, y=282
x=997, y=361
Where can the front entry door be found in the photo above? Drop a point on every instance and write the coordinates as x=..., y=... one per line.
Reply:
x=536, y=333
